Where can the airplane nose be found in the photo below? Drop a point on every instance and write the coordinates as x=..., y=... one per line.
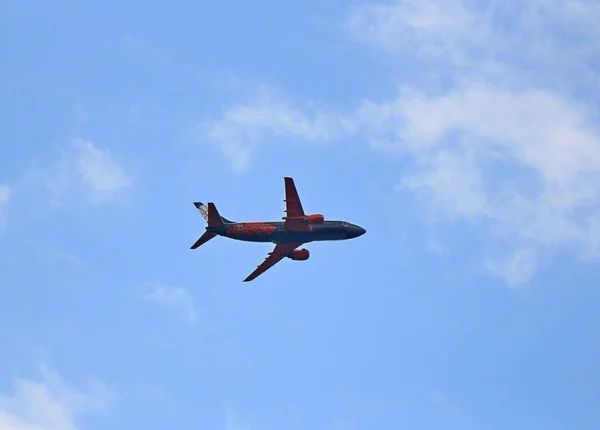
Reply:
x=355, y=232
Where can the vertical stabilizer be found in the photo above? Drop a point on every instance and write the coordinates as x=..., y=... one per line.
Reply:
x=204, y=210
x=214, y=219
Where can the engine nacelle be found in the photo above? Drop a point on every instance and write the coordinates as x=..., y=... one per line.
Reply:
x=300, y=255
x=315, y=219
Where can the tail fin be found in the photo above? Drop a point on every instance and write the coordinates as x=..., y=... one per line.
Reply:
x=211, y=215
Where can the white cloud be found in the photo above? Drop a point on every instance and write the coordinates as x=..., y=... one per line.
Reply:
x=66, y=257
x=5, y=196
x=450, y=181
x=241, y=127
x=86, y=169
x=5, y=193
x=177, y=297
x=528, y=162
x=516, y=269
x=49, y=404
x=541, y=37
x=99, y=171
x=8, y=422
x=503, y=140
x=435, y=27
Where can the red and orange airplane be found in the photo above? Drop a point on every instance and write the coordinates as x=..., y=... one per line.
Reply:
x=296, y=230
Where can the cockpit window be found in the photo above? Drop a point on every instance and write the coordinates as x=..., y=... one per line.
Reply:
x=345, y=224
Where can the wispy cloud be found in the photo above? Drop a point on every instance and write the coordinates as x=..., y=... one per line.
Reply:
x=517, y=268
x=500, y=141
x=49, y=404
x=526, y=162
x=5, y=193
x=498, y=39
x=86, y=169
x=441, y=26
x=176, y=297
x=64, y=257
x=241, y=127
x=99, y=171
x=5, y=196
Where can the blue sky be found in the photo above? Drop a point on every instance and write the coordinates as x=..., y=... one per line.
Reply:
x=463, y=135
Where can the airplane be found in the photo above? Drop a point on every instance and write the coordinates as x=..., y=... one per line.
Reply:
x=296, y=230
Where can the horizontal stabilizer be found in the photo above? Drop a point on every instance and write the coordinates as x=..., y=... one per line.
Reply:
x=203, y=239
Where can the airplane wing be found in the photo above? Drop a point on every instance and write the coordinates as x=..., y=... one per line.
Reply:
x=293, y=208
x=278, y=254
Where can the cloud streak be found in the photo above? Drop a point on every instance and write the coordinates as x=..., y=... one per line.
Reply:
x=241, y=127
x=528, y=163
x=500, y=141
x=512, y=42
x=175, y=297
x=50, y=404
x=5, y=197
x=87, y=169
x=98, y=170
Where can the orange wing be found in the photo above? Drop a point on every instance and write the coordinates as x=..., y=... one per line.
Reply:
x=295, y=219
x=278, y=254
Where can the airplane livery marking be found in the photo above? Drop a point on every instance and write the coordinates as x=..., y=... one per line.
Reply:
x=251, y=229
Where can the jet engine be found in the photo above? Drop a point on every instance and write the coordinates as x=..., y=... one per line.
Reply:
x=299, y=255
x=315, y=219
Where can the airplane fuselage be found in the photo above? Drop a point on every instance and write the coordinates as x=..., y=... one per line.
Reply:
x=272, y=231
x=297, y=229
